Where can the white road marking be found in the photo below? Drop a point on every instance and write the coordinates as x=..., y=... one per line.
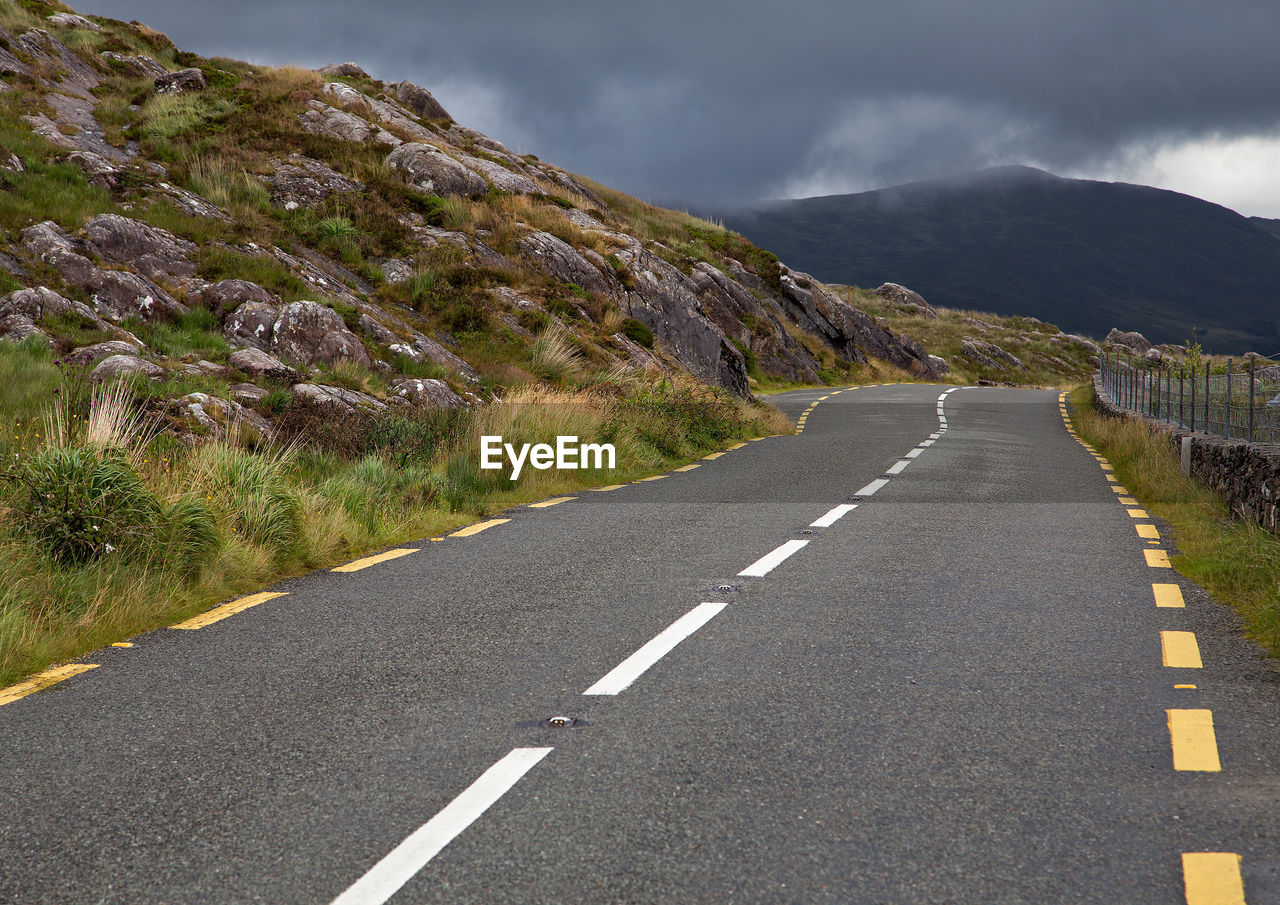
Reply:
x=936, y=435
x=915, y=452
x=770, y=561
x=927, y=443
x=896, y=467
x=872, y=487
x=834, y=515
x=632, y=668
x=386, y=877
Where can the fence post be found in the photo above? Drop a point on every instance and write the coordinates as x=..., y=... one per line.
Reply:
x=1252, y=363
x=1193, y=399
x=1182, y=383
x=1207, y=428
x=1227, y=418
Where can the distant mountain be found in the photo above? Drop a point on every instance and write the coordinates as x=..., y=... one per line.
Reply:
x=1087, y=256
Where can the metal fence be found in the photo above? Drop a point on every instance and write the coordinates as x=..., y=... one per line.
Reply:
x=1243, y=402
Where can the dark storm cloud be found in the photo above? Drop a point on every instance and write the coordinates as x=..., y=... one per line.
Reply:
x=724, y=102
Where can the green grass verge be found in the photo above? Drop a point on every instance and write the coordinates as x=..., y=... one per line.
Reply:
x=1236, y=561
x=111, y=526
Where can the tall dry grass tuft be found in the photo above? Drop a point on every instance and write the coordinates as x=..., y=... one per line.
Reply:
x=553, y=357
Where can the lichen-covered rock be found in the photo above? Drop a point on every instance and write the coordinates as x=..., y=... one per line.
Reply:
x=310, y=333
x=257, y=363
x=98, y=351
x=252, y=324
x=125, y=366
x=15, y=328
x=1132, y=340
x=989, y=355
x=562, y=261
x=420, y=101
x=248, y=393
x=71, y=20
x=940, y=364
x=152, y=251
x=76, y=128
x=304, y=182
x=1071, y=338
x=502, y=178
x=221, y=417
x=425, y=391
x=138, y=67
x=228, y=295
x=423, y=348
x=338, y=397
x=322, y=119
x=115, y=294
x=346, y=70
x=40, y=302
x=376, y=331
x=74, y=75
x=906, y=300
x=434, y=171
x=181, y=82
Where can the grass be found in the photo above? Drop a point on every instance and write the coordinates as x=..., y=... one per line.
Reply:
x=1236, y=561
x=206, y=523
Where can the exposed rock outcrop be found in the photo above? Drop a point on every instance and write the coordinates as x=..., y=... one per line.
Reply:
x=420, y=101
x=310, y=333
x=338, y=397
x=181, y=82
x=125, y=366
x=1132, y=340
x=989, y=355
x=426, y=391
x=305, y=182
x=434, y=171
x=562, y=261
x=256, y=363
x=906, y=300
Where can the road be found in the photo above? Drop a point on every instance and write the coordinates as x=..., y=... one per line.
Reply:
x=803, y=671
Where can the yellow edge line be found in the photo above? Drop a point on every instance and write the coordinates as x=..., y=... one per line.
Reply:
x=1195, y=747
x=1157, y=559
x=715, y=455
x=374, y=560
x=1179, y=650
x=478, y=527
x=51, y=676
x=688, y=467
x=657, y=477
x=608, y=487
x=1138, y=513
x=554, y=501
x=1169, y=595
x=218, y=613
x=1212, y=878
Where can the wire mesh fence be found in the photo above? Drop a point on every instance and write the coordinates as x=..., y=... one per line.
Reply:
x=1242, y=402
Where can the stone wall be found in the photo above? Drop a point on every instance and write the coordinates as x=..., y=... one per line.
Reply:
x=1245, y=475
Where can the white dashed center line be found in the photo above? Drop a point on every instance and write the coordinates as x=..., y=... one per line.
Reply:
x=632, y=668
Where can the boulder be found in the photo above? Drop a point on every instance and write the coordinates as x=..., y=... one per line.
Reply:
x=1131, y=340
x=248, y=393
x=304, y=182
x=221, y=417
x=155, y=252
x=190, y=203
x=502, y=178
x=433, y=171
x=102, y=173
x=89, y=354
x=906, y=300
x=1086, y=344
x=420, y=101
x=337, y=397
x=229, y=295
x=257, y=363
x=180, y=82
x=940, y=364
x=435, y=393
x=114, y=293
x=562, y=261
x=989, y=355
x=321, y=119
x=376, y=331
x=310, y=333
x=16, y=327
x=71, y=20
x=125, y=366
x=40, y=302
x=348, y=96
x=347, y=70
x=252, y=324
x=138, y=67
x=1153, y=357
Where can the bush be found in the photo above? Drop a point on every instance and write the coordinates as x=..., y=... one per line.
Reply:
x=637, y=332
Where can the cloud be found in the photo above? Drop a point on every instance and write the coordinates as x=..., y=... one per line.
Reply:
x=1240, y=172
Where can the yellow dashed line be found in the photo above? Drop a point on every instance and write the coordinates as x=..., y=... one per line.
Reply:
x=1147, y=531
x=122, y=644
x=1137, y=513
x=657, y=477
x=1185, y=687
x=51, y=676
x=218, y=613
x=714, y=455
x=1157, y=559
x=554, y=501
x=736, y=446
x=1179, y=650
x=374, y=560
x=1168, y=595
x=481, y=526
x=1212, y=878
x=1195, y=747
x=1128, y=501
x=688, y=467
x=618, y=486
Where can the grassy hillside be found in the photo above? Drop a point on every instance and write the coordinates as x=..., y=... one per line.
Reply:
x=1088, y=256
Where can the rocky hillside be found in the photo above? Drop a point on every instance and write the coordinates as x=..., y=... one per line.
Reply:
x=234, y=233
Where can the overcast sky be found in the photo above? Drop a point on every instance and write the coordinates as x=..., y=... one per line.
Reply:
x=720, y=102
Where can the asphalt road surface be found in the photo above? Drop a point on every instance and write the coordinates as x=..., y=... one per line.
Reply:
x=926, y=651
